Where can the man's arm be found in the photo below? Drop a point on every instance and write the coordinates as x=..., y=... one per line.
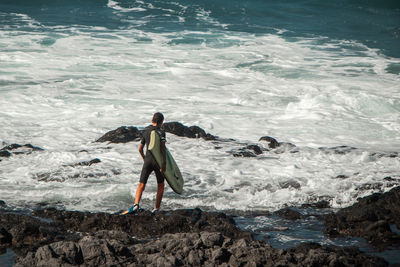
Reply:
x=141, y=150
x=164, y=156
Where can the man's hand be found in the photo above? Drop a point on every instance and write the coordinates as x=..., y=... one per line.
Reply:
x=163, y=167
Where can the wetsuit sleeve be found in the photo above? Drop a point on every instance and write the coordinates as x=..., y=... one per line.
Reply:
x=143, y=140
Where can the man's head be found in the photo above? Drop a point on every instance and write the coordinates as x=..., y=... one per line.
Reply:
x=158, y=118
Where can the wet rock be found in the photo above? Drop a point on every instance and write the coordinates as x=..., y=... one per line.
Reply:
x=370, y=186
x=179, y=129
x=123, y=134
x=369, y=218
x=323, y=204
x=86, y=163
x=5, y=237
x=17, y=146
x=290, y=184
x=289, y=214
x=18, y=149
x=5, y=153
x=249, y=151
x=285, y=148
x=341, y=150
x=52, y=237
x=384, y=154
x=272, y=142
x=342, y=176
x=126, y=134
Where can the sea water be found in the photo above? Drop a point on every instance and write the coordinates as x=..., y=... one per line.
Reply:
x=312, y=73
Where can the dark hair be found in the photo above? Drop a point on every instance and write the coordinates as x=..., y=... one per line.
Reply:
x=158, y=118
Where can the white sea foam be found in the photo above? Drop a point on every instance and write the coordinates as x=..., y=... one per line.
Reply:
x=64, y=93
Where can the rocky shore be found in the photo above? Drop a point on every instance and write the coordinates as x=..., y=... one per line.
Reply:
x=192, y=237
x=376, y=218
x=51, y=237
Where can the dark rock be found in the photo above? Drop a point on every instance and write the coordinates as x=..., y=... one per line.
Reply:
x=200, y=133
x=342, y=176
x=2, y=203
x=179, y=129
x=5, y=237
x=341, y=150
x=11, y=147
x=289, y=214
x=272, y=142
x=86, y=163
x=51, y=237
x=123, y=134
x=369, y=218
x=34, y=148
x=323, y=204
x=5, y=153
x=126, y=134
x=290, y=184
x=244, y=154
x=392, y=179
x=286, y=147
x=249, y=151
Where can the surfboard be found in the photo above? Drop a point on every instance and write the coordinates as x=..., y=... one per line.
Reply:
x=172, y=173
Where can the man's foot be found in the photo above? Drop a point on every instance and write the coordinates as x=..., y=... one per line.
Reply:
x=154, y=211
x=131, y=210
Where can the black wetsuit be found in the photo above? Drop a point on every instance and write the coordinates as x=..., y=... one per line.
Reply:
x=150, y=163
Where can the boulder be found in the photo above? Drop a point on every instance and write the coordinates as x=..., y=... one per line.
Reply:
x=123, y=134
x=370, y=218
x=179, y=129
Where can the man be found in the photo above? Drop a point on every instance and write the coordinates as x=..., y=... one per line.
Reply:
x=150, y=164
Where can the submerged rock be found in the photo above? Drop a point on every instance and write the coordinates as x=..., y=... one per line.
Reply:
x=289, y=214
x=18, y=149
x=85, y=163
x=249, y=151
x=371, y=218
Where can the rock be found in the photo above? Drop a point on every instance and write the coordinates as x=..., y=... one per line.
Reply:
x=51, y=237
x=179, y=129
x=369, y=218
x=5, y=236
x=249, y=151
x=16, y=146
x=126, y=134
x=341, y=150
x=123, y=134
x=5, y=153
x=2, y=203
x=323, y=204
x=18, y=149
x=212, y=239
x=86, y=163
x=289, y=214
x=290, y=184
x=272, y=142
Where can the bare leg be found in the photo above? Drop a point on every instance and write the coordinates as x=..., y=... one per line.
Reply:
x=160, y=193
x=139, y=192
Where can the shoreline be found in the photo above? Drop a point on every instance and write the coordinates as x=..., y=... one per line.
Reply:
x=187, y=237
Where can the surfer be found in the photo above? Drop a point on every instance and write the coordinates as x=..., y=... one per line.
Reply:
x=150, y=165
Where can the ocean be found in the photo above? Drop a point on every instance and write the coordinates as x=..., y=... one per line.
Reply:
x=317, y=74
